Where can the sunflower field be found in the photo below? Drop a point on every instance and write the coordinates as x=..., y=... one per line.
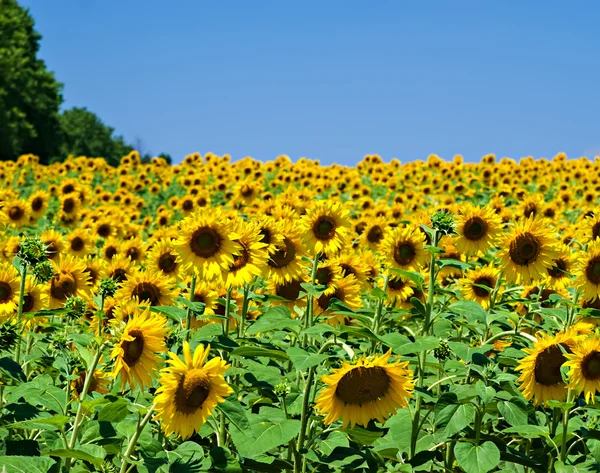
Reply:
x=263, y=317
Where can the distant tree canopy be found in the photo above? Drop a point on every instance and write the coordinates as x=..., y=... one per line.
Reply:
x=30, y=100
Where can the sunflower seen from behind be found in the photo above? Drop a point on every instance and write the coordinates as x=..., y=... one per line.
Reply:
x=189, y=391
x=528, y=251
x=370, y=388
x=136, y=354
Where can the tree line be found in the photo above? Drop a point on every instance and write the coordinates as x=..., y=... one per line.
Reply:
x=31, y=119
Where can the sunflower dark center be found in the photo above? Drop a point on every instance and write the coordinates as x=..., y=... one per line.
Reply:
x=404, y=253
x=93, y=274
x=240, y=260
x=119, y=274
x=547, y=365
x=475, y=228
x=205, y=242
x=592, y=270
x=289, y=290
x=483, y=281
x=324, y=300
x=103, y=230
x=524, y=249
x=28, y=303
x=133, y=350
x=146, y=291
x=596, y=231
x=530, y=209
x=133, y=253
x=68, y=188
x=37, y=203
x=285, y=254
x=359, y=228
x=166, y=262
x=324, y=276
x=375, y=234
x=16, y=213
x=51, y=249
x=324, y=228
x=396, y=284
x=265, y=236
x=193, y=389
x=110, y=252
x=199, y=298
x=590, y=366
x=69, y=205
x=5, y=291
x=77, y=244
x=247, y=191
x=187, y=205
x=361, y=385
x=62, y=285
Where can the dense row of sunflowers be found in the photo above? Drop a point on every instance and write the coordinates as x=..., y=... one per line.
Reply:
x=218, y=316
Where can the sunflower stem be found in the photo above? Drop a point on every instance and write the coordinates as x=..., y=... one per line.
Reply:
x=304, y=420
x=188, y=319
x=133, y=442
x=23, y=275
x=431, y=288
x=565, y=427
x=78, y=417
x=245, y=305
x=227, y=308
x=102, y=315
x=308, y=320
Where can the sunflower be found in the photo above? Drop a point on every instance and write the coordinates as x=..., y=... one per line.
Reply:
x=250, y=261
x=368, y=389
x=590, y=228
x=111, y=248
x=35, y=296
x=559, y=275
x=96, y=269
x=325, y=227
x=346, y=290
x=38, y=203
x=477, y=229
x=150, y=288
x=399, y=289
x=190, y=390
x=163, y=258
x=207, y=243
x=478, y=285
x=54, y=244
x=99, y=383
x=404, y=248
x=69, y=280
x=528, y=251
x=134, y=249
x=17, y=212
x=541, y=379
x=373, y=233
x=136, y=353
x=328, y=274
x=587, y=277
x=285, y=263
x=79, y=242
x=9, y=289
x=270, y=232
x=584, y=367
x=289, y=292
x=120, y=268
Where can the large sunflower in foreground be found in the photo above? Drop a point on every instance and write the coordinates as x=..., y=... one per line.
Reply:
x=190, y=390
x=70, y=280
x=584, y=367
x=368, y=389
x=150, y=288
x=404, y=248
x=477, y=229
x=541, y=379
x=528, y=251
x=136, y=353
x=207, y=243
x=325, y=227
x=588, y=272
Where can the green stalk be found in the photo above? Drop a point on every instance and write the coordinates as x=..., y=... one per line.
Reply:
x=245, y=305
x=134, y=439
x=227, y=309
x=308, y=317
x=565, y=427
x=23, y=275
x=431, y=289
x=102, y=315
x=304, y=419
x=188, y=318
x=78, y=417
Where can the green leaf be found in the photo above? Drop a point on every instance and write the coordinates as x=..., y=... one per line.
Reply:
x=275, y=318
x=42, y=423
x=415, y=277
x=114, y=412
x=333, y=440
x=458, y=417
x=477, y=458
x=470, y=310
x=208, y=331
x=19, y=464
x=258, y=351
x=303, y=360
x=176, y=314
x=314, y=290
x=528, y=431
x=513, y=413
x=402, y=345
x=364, y=436
x=264, y=436
x=90, y=453
x=12, y=369
x=234, y=411
x=486, y=393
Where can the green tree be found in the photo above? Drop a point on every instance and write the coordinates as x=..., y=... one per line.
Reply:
x=30, y=96
x=84, y=134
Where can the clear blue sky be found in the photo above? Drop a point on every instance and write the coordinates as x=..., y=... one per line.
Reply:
x=333, y=80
